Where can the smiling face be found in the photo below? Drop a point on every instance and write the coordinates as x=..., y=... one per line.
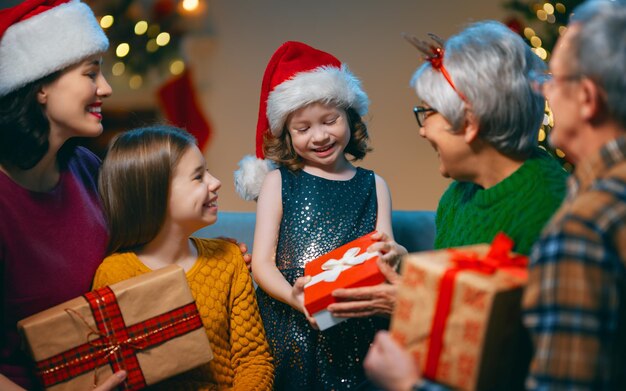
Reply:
x=72, y=103
x=452, y=148
x=319, y=135
x=193, y=193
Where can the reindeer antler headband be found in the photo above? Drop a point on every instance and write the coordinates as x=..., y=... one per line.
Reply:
x=433, y=53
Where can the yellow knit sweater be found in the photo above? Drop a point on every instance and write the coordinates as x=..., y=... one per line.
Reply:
x=223, y=290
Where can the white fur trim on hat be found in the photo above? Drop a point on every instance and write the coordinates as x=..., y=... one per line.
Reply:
x=250, y=175
x=48, y=42
x=323, y=84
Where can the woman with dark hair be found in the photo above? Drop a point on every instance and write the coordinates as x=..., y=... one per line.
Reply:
x=52, y=230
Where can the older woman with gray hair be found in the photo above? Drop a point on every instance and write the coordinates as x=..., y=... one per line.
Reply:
x=481, y=114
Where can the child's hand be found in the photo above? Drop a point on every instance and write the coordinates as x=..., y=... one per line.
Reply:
x=391, y=251
x=297, y=295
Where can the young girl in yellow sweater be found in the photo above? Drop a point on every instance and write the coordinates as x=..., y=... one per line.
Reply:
x=156, y=192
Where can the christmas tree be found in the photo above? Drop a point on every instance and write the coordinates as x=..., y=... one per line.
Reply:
x=541, y=23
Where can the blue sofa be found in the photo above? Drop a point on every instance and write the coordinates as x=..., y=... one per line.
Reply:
x=414, y=229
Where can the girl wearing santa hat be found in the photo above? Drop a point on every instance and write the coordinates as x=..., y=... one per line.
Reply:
x=52, y=229
x=310, y=126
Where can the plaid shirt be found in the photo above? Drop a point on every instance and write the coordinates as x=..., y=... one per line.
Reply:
x=575, y=301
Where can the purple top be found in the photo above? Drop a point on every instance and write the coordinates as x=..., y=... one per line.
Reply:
x=50, y=247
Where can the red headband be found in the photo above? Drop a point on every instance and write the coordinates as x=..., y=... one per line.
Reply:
x=434, y=55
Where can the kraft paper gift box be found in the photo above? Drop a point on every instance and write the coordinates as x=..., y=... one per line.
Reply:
x=458, y=314
x=148, y=325
x=348, y=266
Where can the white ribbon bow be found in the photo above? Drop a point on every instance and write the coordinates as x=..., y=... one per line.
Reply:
x=334, y=267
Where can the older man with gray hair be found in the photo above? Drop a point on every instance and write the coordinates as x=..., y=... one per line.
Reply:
x=576, y=299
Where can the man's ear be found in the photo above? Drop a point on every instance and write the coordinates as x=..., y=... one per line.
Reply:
x=590, y=99
x=471, y=127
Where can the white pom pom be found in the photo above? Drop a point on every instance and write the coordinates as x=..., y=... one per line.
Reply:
x=250, y=175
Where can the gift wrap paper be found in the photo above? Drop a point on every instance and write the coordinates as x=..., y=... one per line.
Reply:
x=348, y=266
x=63, y=327
x=481, y=330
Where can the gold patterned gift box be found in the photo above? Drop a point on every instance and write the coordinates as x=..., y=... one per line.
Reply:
x=148, y=325
x=458, y=313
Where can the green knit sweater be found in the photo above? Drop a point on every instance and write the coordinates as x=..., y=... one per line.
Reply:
x=520, y=206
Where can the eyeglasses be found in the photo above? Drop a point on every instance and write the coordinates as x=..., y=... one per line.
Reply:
x=540, y=81
x=421, y=113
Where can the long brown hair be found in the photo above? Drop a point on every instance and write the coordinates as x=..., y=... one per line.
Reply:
x=134, y=183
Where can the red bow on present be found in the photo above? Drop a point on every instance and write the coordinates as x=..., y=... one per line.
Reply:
x=498, y=258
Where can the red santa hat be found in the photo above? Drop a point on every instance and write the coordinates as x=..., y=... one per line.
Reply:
x=296, y=76
x=40, y=37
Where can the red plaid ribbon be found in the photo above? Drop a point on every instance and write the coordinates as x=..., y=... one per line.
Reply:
x=116, y=343
x=498, y=257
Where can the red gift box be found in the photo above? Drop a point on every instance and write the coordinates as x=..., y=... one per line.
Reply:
x=348, y=266
x=458, y=314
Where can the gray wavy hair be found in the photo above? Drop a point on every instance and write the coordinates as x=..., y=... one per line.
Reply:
x=493, y=67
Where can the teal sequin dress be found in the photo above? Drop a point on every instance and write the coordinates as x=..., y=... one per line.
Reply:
x=319, y=215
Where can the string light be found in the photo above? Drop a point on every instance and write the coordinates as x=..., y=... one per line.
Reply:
x=163, y=39
x=152, y=46
x=141, y=27
x=541, y=52
x=122, y=49
x=549, y=8
x=542, y=15
x=135, y=82
x=535, y=41
x=177, y=67
x=118, y=68
x=529, y=33
x=190, y=5
x=106, y=21
x=146, y=37
x=542, y=135
x=551, y=18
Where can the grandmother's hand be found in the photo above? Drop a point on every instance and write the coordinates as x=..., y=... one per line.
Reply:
x=368, y=300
